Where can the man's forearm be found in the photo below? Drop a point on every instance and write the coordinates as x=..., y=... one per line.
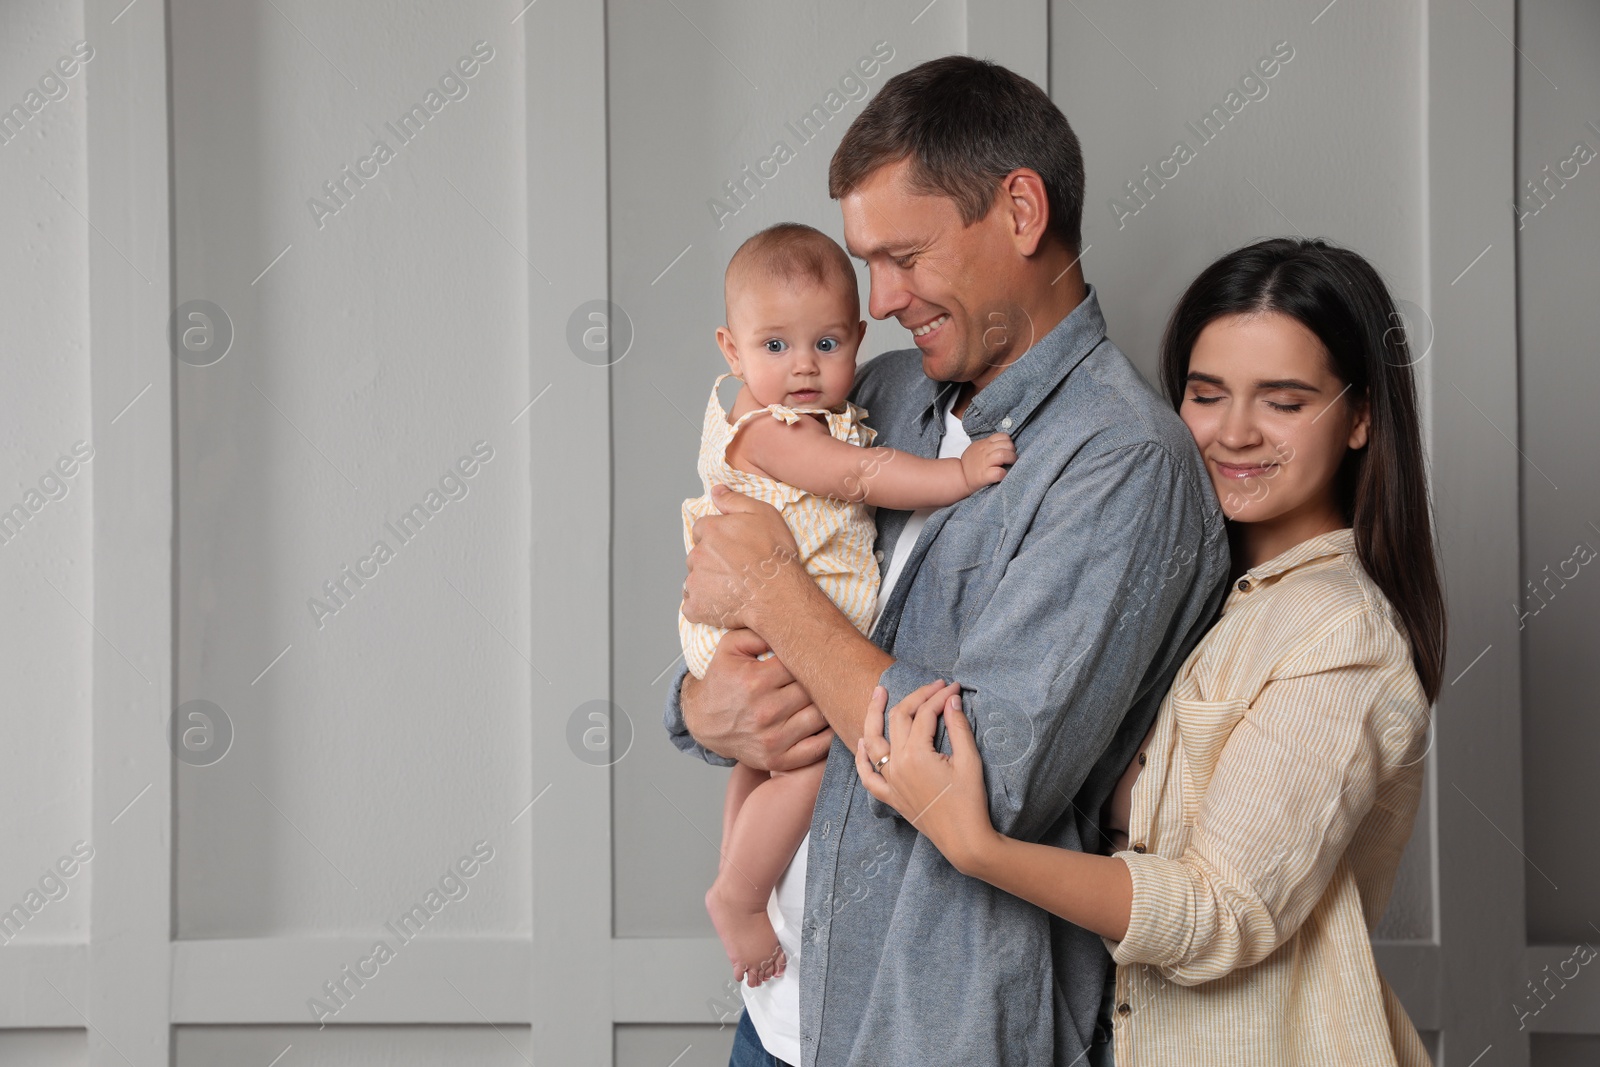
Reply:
x=675, y=717
x=826, y=653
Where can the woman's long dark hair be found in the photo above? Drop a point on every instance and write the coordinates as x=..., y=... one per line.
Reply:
x=1382, y=488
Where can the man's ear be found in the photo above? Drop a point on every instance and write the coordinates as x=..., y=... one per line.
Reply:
x=1362, y=425
x=730, y=352
x=1029, y=206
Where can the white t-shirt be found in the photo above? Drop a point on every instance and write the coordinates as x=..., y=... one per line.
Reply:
x=774, y=1005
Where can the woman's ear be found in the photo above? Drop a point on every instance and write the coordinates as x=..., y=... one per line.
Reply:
x=1362, y=424
x=729, y=351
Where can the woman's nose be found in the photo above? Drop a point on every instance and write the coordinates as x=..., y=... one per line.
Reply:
x=1238, y=430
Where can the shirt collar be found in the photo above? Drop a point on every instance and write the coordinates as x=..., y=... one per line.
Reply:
x=1018, y=390
x=1332, y=543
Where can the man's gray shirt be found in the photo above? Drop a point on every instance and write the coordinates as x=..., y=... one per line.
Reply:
x=1062, y=599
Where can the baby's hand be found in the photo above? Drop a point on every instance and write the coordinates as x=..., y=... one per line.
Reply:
x=984, y=461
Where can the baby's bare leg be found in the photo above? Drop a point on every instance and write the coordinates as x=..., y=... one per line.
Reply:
x=757, y=846
x=741, y=782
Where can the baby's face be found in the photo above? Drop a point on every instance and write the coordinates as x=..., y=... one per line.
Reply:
x=793, y=344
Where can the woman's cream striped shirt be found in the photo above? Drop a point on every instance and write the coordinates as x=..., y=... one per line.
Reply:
x=1281, y=779
x=834, y=536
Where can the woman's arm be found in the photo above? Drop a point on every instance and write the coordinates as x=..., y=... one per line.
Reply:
x=1299, y=773
x=806, y=456
x=944, y=798
x=1294, y=780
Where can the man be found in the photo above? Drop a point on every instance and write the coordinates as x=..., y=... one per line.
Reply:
x=1062, y=599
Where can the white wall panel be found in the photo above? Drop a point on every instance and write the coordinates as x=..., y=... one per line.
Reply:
x=366, y=1046
x=379, y=339
x=1557, y=606
x=44, y=1048
x=46, y=576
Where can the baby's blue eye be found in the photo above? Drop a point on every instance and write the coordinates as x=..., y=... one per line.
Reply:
x=827, y=344
x=775, y=341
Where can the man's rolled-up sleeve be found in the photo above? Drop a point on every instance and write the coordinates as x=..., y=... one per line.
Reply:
x=1101, y=587
x=677, y=732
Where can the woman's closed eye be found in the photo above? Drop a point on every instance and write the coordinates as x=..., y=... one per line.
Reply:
x=1288, y=409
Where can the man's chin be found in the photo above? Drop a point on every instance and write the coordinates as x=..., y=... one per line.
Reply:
x=940, y=367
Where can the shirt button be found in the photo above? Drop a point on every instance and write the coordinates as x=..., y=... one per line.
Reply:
x=878, y=555
x=1141, y=759
x=1123, y=1009
x=1005, y=423
x=1139, y=847
x=1244, y=585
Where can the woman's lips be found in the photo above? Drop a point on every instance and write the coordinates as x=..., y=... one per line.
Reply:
x=1231, y=470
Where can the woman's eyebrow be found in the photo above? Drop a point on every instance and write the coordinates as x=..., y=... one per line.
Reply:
x=1287, y=383
x=1261, y=383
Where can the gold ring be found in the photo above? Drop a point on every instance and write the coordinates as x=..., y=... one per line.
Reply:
x=879, y=764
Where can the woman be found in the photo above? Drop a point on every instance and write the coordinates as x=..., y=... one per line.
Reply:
x=1271, y=800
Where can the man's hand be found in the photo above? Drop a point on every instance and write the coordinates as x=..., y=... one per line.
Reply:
x=753, y=710
x=984, y=462
x=740, y=560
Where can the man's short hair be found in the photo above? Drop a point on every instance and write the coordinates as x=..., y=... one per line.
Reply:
x=966, y=123
x=792, y=252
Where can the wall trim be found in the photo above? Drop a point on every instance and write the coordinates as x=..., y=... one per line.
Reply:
x=125, y=1001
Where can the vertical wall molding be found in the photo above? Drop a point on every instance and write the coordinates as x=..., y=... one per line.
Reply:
x=1470, y=93
x=127, y=1007
x=570, y=432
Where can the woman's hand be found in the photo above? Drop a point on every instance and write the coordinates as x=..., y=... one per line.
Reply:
x=942, y=796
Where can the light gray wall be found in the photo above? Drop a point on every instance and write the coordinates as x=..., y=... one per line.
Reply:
x=45, y=643
x=1559, y=323
x=393, y=1046
x=1565, y=1050
x=386, y=342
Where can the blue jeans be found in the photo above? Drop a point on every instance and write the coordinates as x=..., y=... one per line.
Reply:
x=747, y=1048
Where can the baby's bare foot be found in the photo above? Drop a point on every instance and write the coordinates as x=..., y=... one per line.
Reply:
x=748, y=938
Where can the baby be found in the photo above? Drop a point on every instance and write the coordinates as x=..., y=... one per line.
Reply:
x=794, y=440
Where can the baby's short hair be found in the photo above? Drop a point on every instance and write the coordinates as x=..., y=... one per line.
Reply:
x=789, y=252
